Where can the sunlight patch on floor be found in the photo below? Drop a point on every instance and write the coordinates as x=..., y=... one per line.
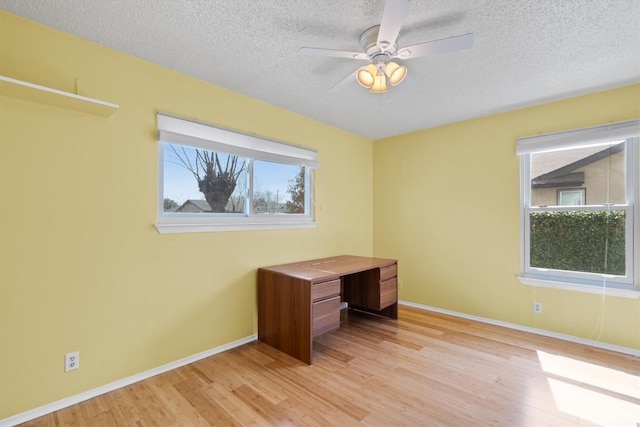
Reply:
x=592, y=392
x=593, y=406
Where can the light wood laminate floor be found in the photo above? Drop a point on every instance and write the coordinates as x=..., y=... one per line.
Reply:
x=422, y=369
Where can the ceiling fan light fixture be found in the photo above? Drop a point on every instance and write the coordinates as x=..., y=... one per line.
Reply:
x=367, y=75
x=379, y=45
x=379, y=84
x=396, y=73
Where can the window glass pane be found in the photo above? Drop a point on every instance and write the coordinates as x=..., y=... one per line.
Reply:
x=585, y=241
x=599, y=170
x=571, y=197
x=201, y=181
x=278, y=188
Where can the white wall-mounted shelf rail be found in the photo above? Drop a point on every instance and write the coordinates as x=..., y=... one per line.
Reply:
x=44, y=95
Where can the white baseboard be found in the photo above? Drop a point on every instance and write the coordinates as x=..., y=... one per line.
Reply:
x=570, y=338
x=60, y=404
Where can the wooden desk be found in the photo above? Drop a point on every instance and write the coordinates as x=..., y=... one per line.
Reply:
x=299, y=301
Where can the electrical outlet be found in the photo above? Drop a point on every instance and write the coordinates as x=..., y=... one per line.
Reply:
x=71, y=361
x=537, y=307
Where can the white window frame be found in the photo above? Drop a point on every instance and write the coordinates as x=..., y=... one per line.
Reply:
x=178, y=131
x=623, y=286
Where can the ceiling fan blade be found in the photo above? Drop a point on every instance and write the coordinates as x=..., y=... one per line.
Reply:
x=314, y=51
x=347, y=81
x=392, y=18
x=450, y=44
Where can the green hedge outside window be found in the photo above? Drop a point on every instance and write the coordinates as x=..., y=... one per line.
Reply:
x=586, y=241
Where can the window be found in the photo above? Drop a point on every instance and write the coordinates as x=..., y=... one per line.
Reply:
x=578, y=191
x=213, y=179
x=573, y=197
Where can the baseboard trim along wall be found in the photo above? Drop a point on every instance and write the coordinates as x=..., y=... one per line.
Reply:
x=60, y=404
x=63, y=403
x=570, y=338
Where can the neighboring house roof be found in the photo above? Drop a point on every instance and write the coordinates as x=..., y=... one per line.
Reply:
x=557, y=169
x=194, y=206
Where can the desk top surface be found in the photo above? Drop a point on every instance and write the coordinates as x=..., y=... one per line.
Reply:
x=328, y=268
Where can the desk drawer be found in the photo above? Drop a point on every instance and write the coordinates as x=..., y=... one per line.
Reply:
x=325, y=289
x=326, y=315
x=388, y=292
x=388, y=272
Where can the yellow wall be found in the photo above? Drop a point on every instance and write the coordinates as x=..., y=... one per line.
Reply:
x=446, y=204
x=81, y=266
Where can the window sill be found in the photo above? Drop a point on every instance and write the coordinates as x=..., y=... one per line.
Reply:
x=208, y=228
x=575, y=287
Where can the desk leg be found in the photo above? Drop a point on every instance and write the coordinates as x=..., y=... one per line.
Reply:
x=391, y=311
x=284, y=314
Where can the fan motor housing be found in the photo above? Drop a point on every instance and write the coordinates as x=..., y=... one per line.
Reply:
x=369, y=44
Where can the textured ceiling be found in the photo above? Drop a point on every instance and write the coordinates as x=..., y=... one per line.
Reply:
x=526, y=52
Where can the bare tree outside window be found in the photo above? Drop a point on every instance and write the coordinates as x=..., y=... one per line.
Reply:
x=217, y=175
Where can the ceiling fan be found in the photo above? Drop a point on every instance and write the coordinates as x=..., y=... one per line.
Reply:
x=379, y=47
